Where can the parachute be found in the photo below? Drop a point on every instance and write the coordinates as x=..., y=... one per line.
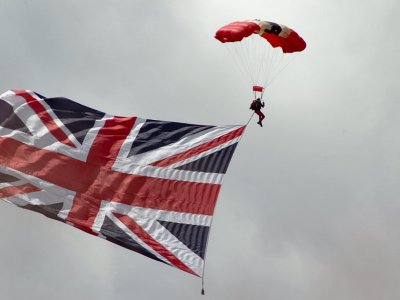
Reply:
x=262, y=49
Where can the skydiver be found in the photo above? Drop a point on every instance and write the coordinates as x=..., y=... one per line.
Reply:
x=256, y=105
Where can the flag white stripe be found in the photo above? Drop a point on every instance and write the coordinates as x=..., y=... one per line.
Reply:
x=171, y=243
x=154, y=214
x=204, y=154
x=167, y=173
x=12, y=184
x=42, y=138
x=128, y=232
x=180, y=146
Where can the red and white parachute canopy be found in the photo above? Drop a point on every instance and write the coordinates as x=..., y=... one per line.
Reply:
x=261, y=48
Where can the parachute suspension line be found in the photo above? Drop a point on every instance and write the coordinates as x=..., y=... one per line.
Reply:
x=264, y=64
x=272, y=59
x=254, y=47
x=260, y=55
x=255, y=58
x=242, y=52
x=284, y=66
x=247, y=53
x=258, y=63
x=265, y=61
x=277, y=63
x=248, y=62
x=253, y=65
x=233, y=51
x=239, y=59
x=268, y=64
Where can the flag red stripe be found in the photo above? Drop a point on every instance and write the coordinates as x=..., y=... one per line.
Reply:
x=84, y=212
x=46, y=118
x=18, y=190
x=102, y=183
x=109, y=141
x=148, y=239
x=103, y=153
x=199, y=149
x=164, y=194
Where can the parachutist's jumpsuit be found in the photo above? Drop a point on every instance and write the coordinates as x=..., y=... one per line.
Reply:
x=257, y=110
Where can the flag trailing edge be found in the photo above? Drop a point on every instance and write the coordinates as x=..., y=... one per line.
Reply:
x=148, y=185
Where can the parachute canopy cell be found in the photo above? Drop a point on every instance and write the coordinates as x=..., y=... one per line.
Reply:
x=277, y=35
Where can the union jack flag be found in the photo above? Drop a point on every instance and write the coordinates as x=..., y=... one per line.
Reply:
x=150, y=186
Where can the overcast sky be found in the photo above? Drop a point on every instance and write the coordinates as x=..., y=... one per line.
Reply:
x=310, y=206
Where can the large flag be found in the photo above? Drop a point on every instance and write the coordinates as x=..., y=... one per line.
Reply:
x=150, y=186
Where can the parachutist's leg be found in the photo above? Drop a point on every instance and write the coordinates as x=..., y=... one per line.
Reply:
x=261, y=117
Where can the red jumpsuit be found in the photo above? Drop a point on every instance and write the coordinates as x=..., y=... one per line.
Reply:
x=257, y=110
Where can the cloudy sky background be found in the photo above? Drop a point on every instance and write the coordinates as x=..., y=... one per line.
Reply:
x=310, y=206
